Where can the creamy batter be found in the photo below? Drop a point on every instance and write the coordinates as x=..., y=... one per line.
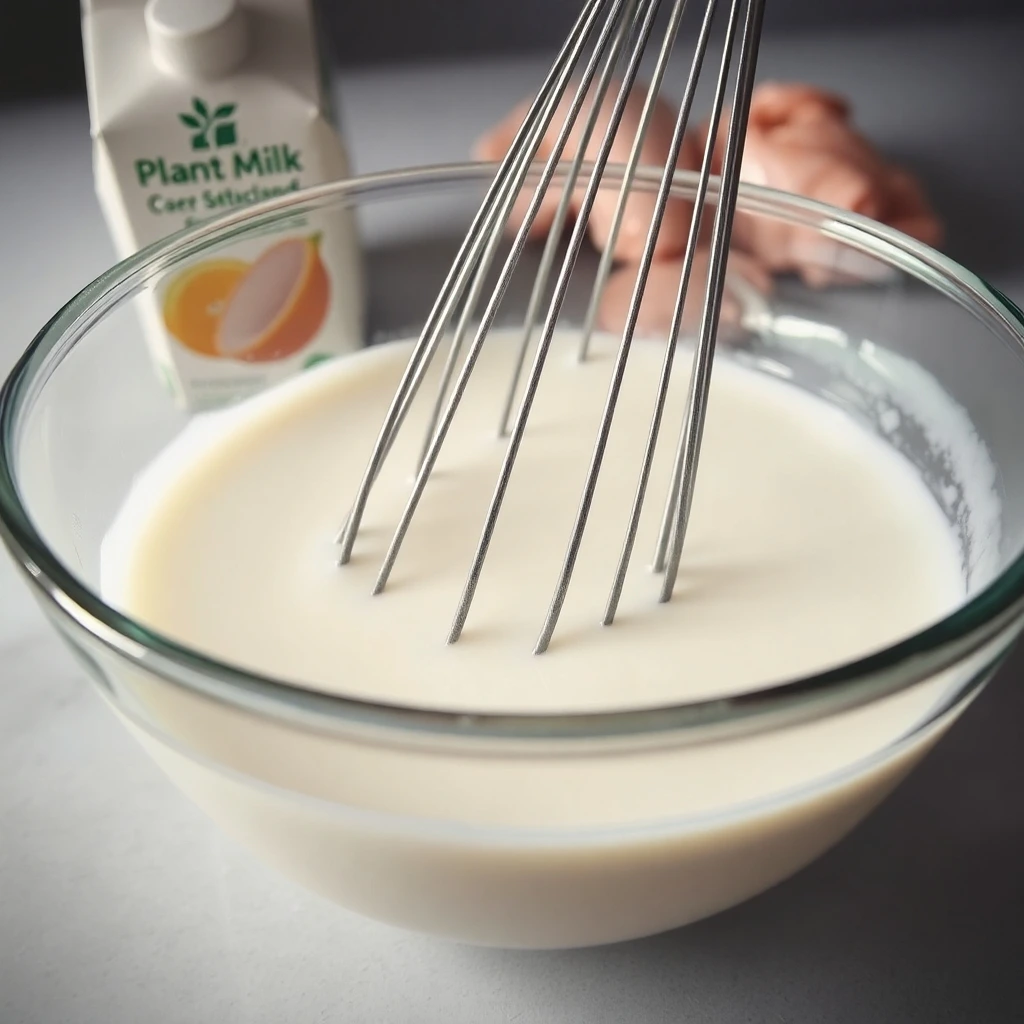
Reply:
x=810, y=543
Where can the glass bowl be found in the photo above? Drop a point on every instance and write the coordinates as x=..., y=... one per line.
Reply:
x=362, y=801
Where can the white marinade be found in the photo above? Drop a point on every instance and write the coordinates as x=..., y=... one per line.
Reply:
x=810, y=542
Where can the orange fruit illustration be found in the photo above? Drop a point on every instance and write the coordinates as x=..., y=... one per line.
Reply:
x=196, y=299
x=278, y=306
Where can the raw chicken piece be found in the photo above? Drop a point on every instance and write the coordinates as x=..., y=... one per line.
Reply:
x=640, y=206
x=908, y=209
x=778, y=103
x=658, y=303
x=799, y=139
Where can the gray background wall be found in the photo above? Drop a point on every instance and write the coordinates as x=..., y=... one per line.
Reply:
x=40, y=46
x=413, y=28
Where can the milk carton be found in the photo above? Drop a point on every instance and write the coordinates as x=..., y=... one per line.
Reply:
x=199, y=107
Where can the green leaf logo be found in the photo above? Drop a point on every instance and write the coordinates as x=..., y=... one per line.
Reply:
x=315, y=360
x=218, y=126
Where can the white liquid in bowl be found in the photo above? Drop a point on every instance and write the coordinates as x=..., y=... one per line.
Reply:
x=810, y=544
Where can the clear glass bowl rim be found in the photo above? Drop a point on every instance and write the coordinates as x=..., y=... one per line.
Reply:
x=988, y=614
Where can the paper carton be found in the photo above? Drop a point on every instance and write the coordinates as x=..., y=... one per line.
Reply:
x=200, y=107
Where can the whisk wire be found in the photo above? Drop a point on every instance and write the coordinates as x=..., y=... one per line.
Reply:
x=509, y=178
x=692, y=433
x=629, y=24
x=554, y=309
x=604, y=429
x=496, y=228
x=668, y=360
x=504, y=277
x=615, y=29
x=494, y=231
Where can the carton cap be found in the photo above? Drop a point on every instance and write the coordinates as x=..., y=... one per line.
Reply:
x=196, y=38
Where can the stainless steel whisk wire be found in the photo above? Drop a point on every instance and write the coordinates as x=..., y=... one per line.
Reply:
x=627, y=27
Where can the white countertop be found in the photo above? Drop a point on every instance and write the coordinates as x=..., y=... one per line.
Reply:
x=120, y=903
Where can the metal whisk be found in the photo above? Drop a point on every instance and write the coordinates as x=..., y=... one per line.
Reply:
x=606, y=34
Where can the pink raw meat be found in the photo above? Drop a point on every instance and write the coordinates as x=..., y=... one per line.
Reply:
x=640, y=207
x=658, y=303
x=800, y=140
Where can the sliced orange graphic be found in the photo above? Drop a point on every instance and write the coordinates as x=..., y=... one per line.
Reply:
x=197, y=298
x=278, y=306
